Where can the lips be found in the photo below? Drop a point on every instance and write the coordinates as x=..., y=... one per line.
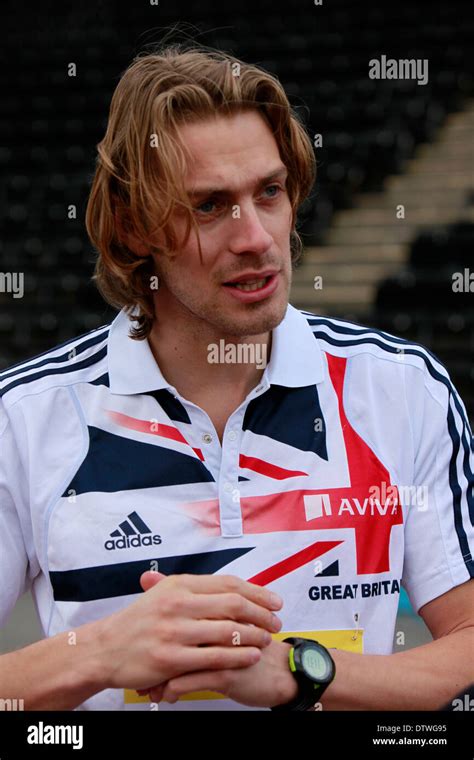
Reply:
x=250, y=285
x=252, y=290
x=252, y=280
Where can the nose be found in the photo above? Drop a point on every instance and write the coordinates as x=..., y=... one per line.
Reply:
x=248, y=235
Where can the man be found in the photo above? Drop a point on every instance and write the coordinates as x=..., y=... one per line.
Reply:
x=173, y=460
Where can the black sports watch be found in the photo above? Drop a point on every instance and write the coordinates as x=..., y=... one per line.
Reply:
x=313, y=668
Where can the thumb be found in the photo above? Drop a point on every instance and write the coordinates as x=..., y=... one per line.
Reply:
x=150, y=578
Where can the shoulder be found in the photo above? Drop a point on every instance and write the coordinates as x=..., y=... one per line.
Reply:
x=373, y=347
x=400, y=379
x=78, y=360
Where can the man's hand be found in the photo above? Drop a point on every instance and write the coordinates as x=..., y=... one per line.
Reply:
x=185, y=623
x=267, y=683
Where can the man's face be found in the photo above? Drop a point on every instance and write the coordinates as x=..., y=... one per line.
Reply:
x=236, y=182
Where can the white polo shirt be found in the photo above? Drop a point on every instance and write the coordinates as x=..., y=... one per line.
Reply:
x=346, y=473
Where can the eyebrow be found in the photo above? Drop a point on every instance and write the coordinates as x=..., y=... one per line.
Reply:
x=259, y=182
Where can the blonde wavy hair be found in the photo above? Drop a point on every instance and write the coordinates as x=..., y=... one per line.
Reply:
x=136, y=188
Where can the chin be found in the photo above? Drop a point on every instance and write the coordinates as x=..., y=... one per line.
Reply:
x=257, y=323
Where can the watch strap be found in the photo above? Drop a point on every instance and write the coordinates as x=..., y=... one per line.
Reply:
x=308, y=692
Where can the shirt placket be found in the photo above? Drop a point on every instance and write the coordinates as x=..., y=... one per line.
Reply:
x=223, y=461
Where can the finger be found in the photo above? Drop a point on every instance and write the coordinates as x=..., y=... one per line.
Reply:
x=231, y=606
x=218, y=584
x=150, y=578
x=223, y=632
x=209, y=680
x=191, y=659
x=156, y=694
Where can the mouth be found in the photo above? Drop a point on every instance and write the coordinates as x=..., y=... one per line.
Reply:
x=251, y=288
x=248, y=286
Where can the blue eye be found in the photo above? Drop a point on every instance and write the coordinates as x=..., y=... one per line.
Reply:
x=273, y=187
x=209, y=207
x=202, y=208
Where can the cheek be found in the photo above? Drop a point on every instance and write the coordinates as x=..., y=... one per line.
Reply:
x=186, y=270
x=280, y=223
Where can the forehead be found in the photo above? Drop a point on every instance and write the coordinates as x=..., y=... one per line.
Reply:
x=232, y=147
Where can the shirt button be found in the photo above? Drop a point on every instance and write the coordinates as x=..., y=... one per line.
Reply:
x=227, y=487
x=207, y=438
x=232, y=436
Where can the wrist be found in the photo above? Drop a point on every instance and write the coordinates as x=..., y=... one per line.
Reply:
x=91, y=671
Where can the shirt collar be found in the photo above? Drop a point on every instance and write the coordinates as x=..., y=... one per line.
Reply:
x=295, y=359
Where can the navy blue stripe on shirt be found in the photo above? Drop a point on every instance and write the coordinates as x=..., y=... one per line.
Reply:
x=122, y=579
x=393, y=350
x=289, y=415
x=456, y=437
x=173, y=408
x=102, y=380
x=24, y=367
x=115, y=463
x=457, y=494
x=72, y=366
x=361, y=330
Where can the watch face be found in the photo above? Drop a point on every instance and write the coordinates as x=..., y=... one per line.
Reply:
x=315, y=663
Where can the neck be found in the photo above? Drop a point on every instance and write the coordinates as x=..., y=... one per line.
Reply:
x=197, y=358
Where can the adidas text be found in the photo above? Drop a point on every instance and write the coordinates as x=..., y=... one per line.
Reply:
x=127, y=542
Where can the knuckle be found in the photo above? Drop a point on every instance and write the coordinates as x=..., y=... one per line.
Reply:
x=236, y=604
x=175, y=583
x=172, y=604
x=167, y=605
x=232, y=583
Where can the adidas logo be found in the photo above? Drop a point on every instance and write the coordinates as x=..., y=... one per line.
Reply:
x=131, y=533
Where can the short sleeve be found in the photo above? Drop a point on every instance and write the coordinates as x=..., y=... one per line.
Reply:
x=13, y=554
x=439, y=534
